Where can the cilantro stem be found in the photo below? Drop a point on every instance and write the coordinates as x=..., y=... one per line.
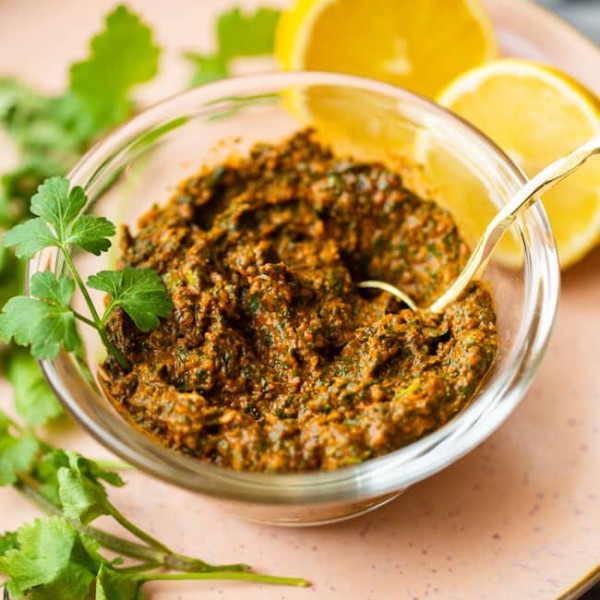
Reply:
x=113, y=463
x=169, y=558
x=96, y=322
x=84, y=319
x=254, y=577
x=141, y=567
x=28, y=486
x=180, y=562
x=112, y=304
x=123, y=362
x=135, y=530
x=81, y=285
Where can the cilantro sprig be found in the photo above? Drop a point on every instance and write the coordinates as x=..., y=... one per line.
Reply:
x=45, y=320
x=238, y=35
x=49, y=133
x=60, y=556
x=122, y=57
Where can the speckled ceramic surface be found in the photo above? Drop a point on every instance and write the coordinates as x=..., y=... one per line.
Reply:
x=517, y=518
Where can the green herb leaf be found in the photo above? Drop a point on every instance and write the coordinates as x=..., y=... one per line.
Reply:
x=18, y=185
x=140, y=292
x=57, y=206
x=51, y=561
x=238, y=35
x=80, y=489
x=46, y=472
x=57, y=291
x=246, y=35
x=61, y=208
x=20, y=107
x=121, y=57
x=30, y=237
x=209, y=67
x=92, y=470
x=12, y=275
x=13, y=95
x=16, y=453
x=81, y=498
x=34, y=399
x=8, y=541
x=91, y=233
x=45, y=322
x=112, y=585
x=49, y=127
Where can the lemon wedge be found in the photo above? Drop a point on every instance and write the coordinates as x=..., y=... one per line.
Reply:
x=535, y=114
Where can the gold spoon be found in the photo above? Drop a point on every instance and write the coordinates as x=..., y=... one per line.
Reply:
x=522, y=200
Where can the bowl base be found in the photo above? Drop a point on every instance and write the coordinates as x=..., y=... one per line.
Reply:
x=310, y=515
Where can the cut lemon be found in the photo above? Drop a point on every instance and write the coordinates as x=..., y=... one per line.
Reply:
x=535, y=114
x=420, y=45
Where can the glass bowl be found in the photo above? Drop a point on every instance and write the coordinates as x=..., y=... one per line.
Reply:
x=141, y=163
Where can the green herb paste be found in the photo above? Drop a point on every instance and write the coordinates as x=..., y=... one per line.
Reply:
x=273, y=360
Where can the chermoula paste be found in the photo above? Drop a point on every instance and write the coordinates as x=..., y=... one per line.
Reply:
x=273, y=359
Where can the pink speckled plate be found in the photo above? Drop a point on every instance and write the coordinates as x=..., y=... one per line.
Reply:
x=517, y=518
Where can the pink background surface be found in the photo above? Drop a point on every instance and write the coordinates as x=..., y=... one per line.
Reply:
x=518, y=517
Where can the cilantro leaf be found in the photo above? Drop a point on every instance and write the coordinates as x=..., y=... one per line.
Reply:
x=51, y=561
x=140, y=292
x=12, y=275
x=20, y=106
x=16, y=453
x=122, y=56
x=91, y=233
x=57, y=206
x=45, y=471
x=8, y=540
x=13, y=94
x=60, y=208
x=30, y=237
x=47, y=468
x=44, y=323
x=82, y=495
x=50, y=127
x=208, y=67
x=46, y=320
x=238, y=35
x=81, y=498
x=112, y=585
x=246, y=35
x=18, y=185
x=57, y=291
x=92, y=470
x=34, y=399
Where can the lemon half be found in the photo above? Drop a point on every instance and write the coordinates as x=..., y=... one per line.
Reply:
x=417, y=44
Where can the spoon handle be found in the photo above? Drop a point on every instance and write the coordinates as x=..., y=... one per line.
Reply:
x=523, y=199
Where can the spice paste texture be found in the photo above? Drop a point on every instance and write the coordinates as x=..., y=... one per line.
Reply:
x=273, y=360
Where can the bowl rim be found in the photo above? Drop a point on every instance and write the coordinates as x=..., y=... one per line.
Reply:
x=374, y=477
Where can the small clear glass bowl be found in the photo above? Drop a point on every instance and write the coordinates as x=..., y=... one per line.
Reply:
x=142, y=162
